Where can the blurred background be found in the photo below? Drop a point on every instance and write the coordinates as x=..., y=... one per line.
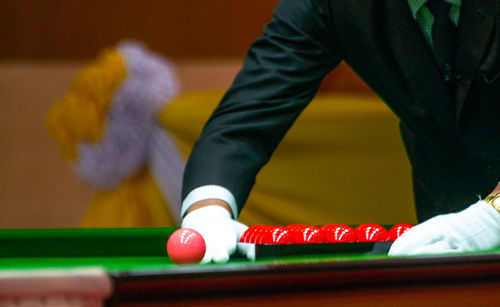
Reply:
x=45, y=43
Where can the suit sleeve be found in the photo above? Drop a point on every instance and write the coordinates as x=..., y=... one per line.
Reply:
x=281, y=73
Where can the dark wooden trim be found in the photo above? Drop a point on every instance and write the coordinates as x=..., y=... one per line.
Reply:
x=282, y=278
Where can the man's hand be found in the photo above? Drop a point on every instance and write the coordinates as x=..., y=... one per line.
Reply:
x=220, y=231
x=473, y=229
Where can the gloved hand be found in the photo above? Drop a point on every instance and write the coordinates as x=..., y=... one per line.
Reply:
x=473, y=229
x=220, y=231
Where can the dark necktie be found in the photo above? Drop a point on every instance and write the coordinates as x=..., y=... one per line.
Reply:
x=443, y=37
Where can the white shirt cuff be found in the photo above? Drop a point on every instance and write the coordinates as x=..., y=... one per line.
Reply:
x=209, y=192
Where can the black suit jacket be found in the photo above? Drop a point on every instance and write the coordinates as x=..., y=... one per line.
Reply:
x=452, y=139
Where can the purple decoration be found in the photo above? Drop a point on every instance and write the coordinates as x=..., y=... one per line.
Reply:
x=124, y=148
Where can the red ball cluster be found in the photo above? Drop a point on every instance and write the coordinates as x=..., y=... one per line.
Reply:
x=329, y=233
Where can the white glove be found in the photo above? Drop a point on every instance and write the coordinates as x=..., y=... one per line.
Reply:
x=473, y=229
x=220, y=232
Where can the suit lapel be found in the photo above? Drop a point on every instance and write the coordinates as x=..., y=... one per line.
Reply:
x=417, y=64
x=474, y=31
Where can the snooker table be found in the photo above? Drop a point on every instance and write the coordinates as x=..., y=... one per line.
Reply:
x=129, y=267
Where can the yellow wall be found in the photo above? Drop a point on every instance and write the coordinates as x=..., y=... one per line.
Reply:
x=54, y=29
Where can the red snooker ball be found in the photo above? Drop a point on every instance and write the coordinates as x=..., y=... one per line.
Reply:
x=252, y=234
x=336, y=233
x=186, y=245
x=397, y=230
x=371, y=233
x=266, y=234
x=276, y=235
x=281, y=235
x=305, y=234
x=244, y=237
